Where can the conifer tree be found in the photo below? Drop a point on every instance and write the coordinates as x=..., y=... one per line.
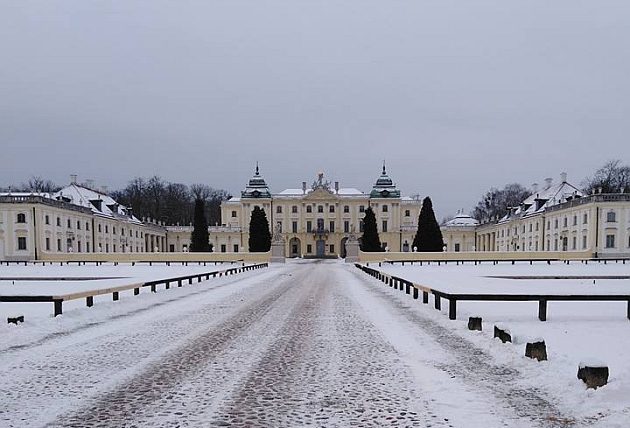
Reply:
x=259, y=234
x=429, y=236
x=370, y=241
x=200, y=241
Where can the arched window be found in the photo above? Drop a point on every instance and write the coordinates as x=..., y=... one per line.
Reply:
x=611, y=217
x=21, y=218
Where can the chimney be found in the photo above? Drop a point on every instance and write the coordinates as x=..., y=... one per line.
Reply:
x=563, y=177
x=336, y=187
x=304, y=187
x=535, y=188
x=548, y=182
x=73, y=179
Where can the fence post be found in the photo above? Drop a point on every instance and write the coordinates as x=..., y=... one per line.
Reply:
x=438, y=303
x=425, y=297
x=89, y=301
x=452, y=309
x=628, y=309
x=115, y=296
x=136, y=291
x=58, y=307
x=415, y=293
x=153, y=288
x=542, y=310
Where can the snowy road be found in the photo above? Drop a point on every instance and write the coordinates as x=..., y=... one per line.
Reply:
x=304, y=344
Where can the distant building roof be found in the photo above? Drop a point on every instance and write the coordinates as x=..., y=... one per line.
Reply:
x=462, y=220
x=257, y=186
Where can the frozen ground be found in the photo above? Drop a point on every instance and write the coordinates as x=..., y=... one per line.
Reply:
x=302, y=344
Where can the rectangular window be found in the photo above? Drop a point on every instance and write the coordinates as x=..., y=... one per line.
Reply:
x=69, y=224
x=574, y=243
x=47, y=244
x=87, y=226
x=58, y=244
x=78, y=225
x=295, y=226
x=233, y=214
x=346, y=208
x=385, y=208
x=78, y=246
x=565, y=222
x=320, y=208
x=361, y=226
x=332, y=227
x=530, y=227
x=309, y=209
x=235, y=248
x=585, y=219
x=21, y=243
x=309, y=226
x=107, y=248
x=47, y=220
x=457, y=248
x=106, y=229
x=87, y=247
x=279, y=209
x=610, y=241
x=536, y=227
x=114, y=248
x=384, y=225
x=584, y=242
x=59, y=221
x=331, y=209
x=309, y=248
x=346, y=226
x=407, y=213
x=294, y=209
x=574, y=220
x=332, y=248
x=223, y=248
x=555, y=223
x=361, y=208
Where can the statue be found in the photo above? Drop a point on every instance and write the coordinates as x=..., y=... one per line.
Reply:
x=277, y=233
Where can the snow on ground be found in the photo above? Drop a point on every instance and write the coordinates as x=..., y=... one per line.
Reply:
x=54, y=280
x=574, y=331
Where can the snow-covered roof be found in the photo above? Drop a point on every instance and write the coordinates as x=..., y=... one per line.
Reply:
x=462, y=220
x=99, y=203
x=25, y=194
x=539, y=201
x=344, y=191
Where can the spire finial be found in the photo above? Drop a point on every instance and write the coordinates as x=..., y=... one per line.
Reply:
x=384, y=172
x=257, y=173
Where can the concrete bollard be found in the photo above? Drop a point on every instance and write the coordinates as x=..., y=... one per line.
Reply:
x=503, y=334
x=536, y=350
x=593, y=375
x=474, y=323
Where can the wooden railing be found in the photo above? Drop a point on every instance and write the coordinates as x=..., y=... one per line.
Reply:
x=542, y=299
x=58, y=300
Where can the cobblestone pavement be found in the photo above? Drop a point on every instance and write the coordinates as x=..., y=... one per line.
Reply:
x=288, y=347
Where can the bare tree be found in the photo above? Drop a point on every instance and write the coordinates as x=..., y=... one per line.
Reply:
x=612, y=177
x=495, y=203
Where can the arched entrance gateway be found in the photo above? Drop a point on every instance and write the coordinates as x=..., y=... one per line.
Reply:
x=295, y=247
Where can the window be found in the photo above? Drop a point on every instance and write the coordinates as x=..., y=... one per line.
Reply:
x=584, y=242
x=332, y=248
x=585, y=219
x=279, y=226
x=332, y=227
x=107, y=248
x=59, y=221
x=87, y=225
x=309, y=209
x=331, y=209
x=565, y=222
x=555, y=244
x=523, y=228
x=279, y=209
x=548, y=224
x=384, y=225
x=611, y=217
x=47, y=219
x=574, y=220
x=47, y=244
x=555, y=224
x=407, y=213
x=346, y=209
x=233, y=214
x=530, y=227
x=320, y=208
x=21, y=243
x=294, y=209
x=114, y=248
x=69, y=224
x=574, y=246
x=294, y=226
x=78, y=246
x=21, y=218
x=346, y=226
x=361, y=208
x=87, y=247
x=536, y=227
x=78, y=225
x=235, y=248
x=361, y=226
x=384, y=208
x=309, y=226
x=99, y=228
x=122, y=231
x=456, y=248
x=114, y=232
x=309, y=248
x=223, y=248
x=610, y=241
x=58, y=244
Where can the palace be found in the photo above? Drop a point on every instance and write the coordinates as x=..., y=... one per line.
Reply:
x=314, y=221
x=556, y=217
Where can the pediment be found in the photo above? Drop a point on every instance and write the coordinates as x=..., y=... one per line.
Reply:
x=320, y=194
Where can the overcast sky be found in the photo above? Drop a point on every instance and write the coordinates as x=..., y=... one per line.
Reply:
x=455, y=96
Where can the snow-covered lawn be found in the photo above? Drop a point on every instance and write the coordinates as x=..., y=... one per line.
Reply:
x=55, y=280
x=574, y=331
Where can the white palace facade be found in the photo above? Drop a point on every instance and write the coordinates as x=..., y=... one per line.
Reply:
x=556, y=217
x=315, y=221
